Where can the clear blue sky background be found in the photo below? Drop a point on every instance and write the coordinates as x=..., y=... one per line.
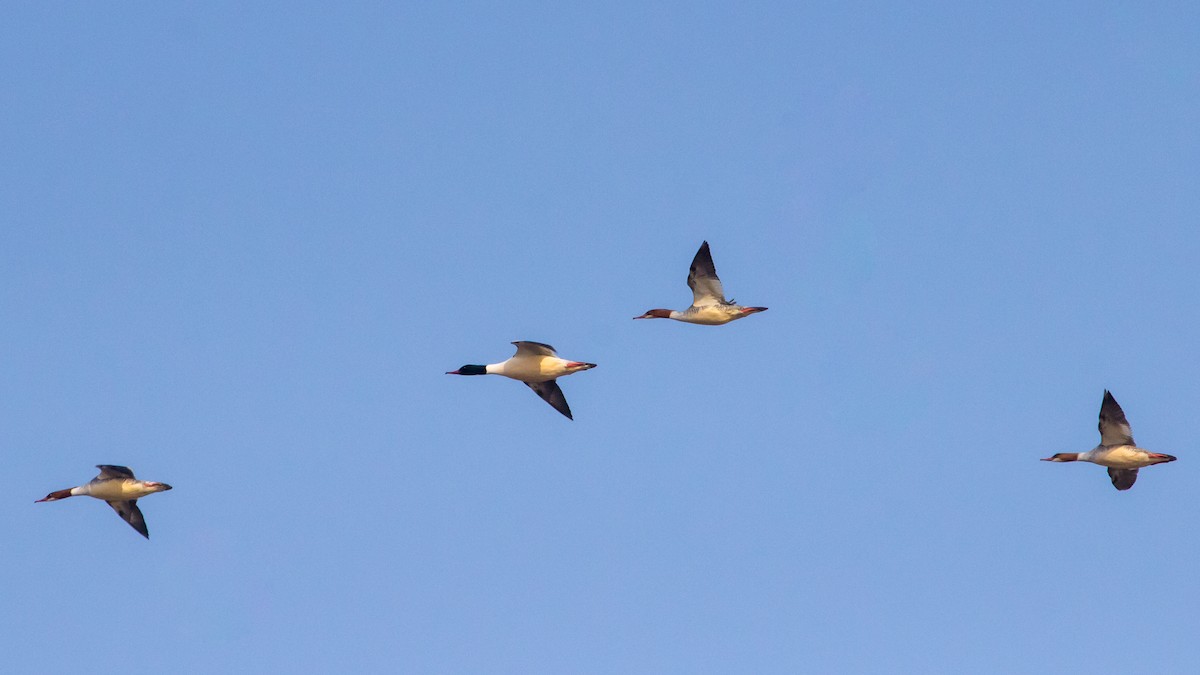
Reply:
x=239, y=247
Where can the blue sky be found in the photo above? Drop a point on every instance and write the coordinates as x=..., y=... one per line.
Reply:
x=239, y=247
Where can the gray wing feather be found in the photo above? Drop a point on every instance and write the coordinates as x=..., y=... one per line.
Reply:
x=703, y=280
x=130, y=513
x=552, y=394
x=108, y=471
x=1114, y=428
x=1122, y=479
x=534, y=348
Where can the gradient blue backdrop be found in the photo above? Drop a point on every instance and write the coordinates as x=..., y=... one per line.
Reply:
x=240, y=245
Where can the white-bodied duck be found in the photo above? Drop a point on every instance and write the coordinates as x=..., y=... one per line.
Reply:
x=1117, y=451
x=117, y=486
x=709, y=306
x=538, y=366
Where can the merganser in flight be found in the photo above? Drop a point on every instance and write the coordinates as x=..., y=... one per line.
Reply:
x=117, y=486
x=538, y=366
x=709, y=306
x=1117, y=450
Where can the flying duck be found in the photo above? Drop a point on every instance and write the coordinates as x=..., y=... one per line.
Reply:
x=1117, y=451
x=537, y=365
x=709, y=306
x=117, y=486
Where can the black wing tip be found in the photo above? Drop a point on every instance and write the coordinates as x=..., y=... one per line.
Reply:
x=142, y=530
x=114, y=467
x=564, y=408
x=552, y=394
x=1111, y=410
x=132, y=515
x=702, y=259
x=518, y=343
x=1110, y=401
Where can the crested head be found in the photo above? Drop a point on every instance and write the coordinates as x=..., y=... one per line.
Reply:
x=469, y=370
x=655, y=314
x=1062, y=457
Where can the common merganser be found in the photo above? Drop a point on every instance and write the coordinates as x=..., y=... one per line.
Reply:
x=709, y=306
x=538, y=366
x=117, y=486
x=1117, y=451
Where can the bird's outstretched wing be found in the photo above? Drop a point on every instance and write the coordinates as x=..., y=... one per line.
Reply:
x=1122, y=479
x=525, y=347
x=112, y=471
x=1114, y=428
x=552, y=394
x=130, y=513
x=703, y=280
